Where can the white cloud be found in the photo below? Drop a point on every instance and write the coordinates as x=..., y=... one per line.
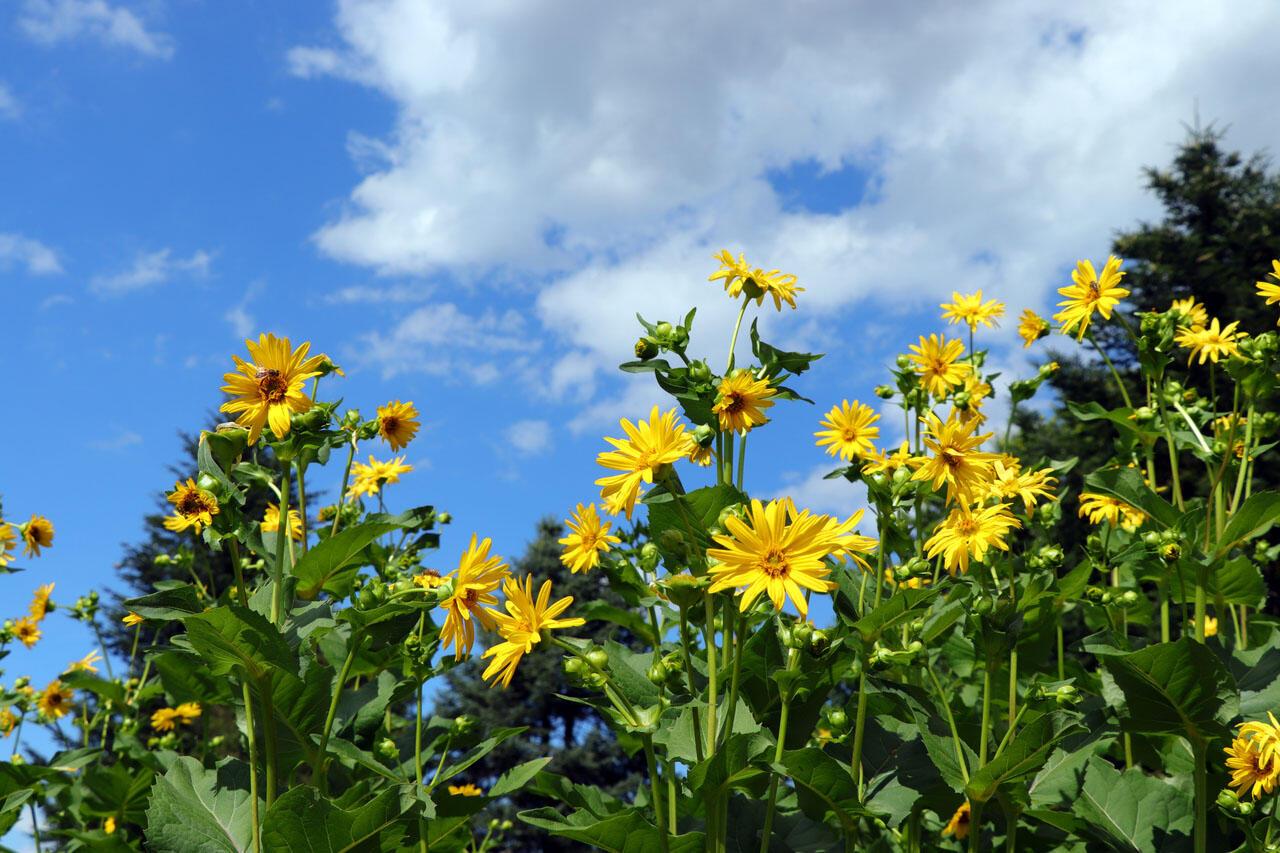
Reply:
x=150, y=269
x=9, y=106
x=34, y=256
x=529, y=438
x=119, y=441
x=393, y=294
x=50, y=22
x=1003, y=142
x=241, y=321
x=442, y=339
x=811, y=490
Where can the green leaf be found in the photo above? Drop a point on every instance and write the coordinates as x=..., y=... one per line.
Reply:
x=736, y=763
x=111, y=691
x=1023, y=755
x=231, y=637
x=1133, y=811
x=1058, y=782
x=823, y=787
x=215, y=453
x=193, y=808
x=332, y=565
x=1178, y=688
x=304, y=820
x=172, y=603
x=1126, y=484
x=517, y=777
x=625, y=832
x=1237, y=581
x=902, y=607
x=701, y=509
x=597, y=610
x=1121, y=417
x=1251, y=519
x=476, y=753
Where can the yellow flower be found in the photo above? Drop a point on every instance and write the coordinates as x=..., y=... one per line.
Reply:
x=1191, y=311
x=271, y=521
x=37, y=533
x=268, y=389
x=8, y=542
x=8, y=722
x=1210, y=342
x=1090, y=292
x=132, y=619
x=649, y=446
x=164, y=720
x=881, y=462
x=588, y=539
x=397, y=424
x=739, y=278
x=478, y=575
x=86, y=663
x=740, y=401
x=1210, y=626
x=1252, y=759
x=192, y=505
x=429, y=579
x=1269, y=290
x=55, y=700
x=972, y=310
x=1099, y=508
x=369, y=479
x=27, y=630
x=959, y=823
x=778, y=552
x=188, y=712
x=1010, y=482
x=849, y=431
x=40, y=602
x=935, y=361
x=467, y=790
x=1031, y=327
x=957, y=462
x=109, y=826
x=969, y=533
x=522, y=625
x=701, y=456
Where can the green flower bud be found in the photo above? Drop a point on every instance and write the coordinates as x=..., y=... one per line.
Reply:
x=598, y=658
x=646, y=348
x=885, y=392
x=904, y=362
x=1227, y=799
x=1245, y=808
x=819, y=642
x=699, y=372
x=444, y=517
x=506, y=825
x=838, y=719
x=704, y=435
x=387, y=749
x=1129, y=598
x=649, y=556
x=573, y=666
x=463, y=724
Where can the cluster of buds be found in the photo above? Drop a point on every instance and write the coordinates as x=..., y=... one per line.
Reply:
x=662, y=336
x=1021, y=390
x=588, y=668
x=883, y=657
x=416, y=657
x=1166, y=543
x=86, y=608
x=1111, y=596
x=1230, y=803
x=667, y=672
x=1064, y=693
x=802, y=636
x=1046, y=557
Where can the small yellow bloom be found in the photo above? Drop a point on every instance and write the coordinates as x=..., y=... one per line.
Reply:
x=959, y=823
x=271, y=521
x=1192, y=312
x=8, y=721
x=1210, y=626
x=1099, y=508
x=522, y=625
x=649, y=445
x=37, y=533
x=701, y=456
x=428, y=579
x=478, y=575
x=956, y=461
x=26, y=630
x=879, y=462
x=1011, y=482
x=1271, y=290
x=188, y=712
x=8, y=543
x=849, y=431
x=269, y=389
x=86, y=663
x=1088, y=293
x=741, y=401
x=40, y=602
x=370, y=478
x=970, y=533
x=467, y=790
x=164, y=720
x=935, y=359
x=55, y=700
x=109, y=826
x=1210, y=342
x=971, y=310
x=192, y=507
x=1031, y=327
x=741, y=278
x=588, y=539
x=397, y=424
x=1252, y=758
x=132, y=619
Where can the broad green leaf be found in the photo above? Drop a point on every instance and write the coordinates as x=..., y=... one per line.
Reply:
x=737, y=763
x=630, y=673
x=110, y=691
x=903, y=606
x=625, y=832
x=193, y=808
x=1251, y=519
x=172, y=603
x=1121, y=417
x=1178, y=688
x=417, y=518
x=1058, y=782
x=231, y=637
x=517, y=777
x=1127, y=485
x=332, y=565
x=823, y=787
x=670, y=520
x=475, y=753
x=597, y=610
x=302, y=820
x=185, y=680
x=1237, y=580
x=1024, y=754
x=1133, y=811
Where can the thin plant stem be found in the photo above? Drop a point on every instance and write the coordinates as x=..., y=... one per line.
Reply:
x=1124, y=392
x=739, y=624
x=793, y=659
x=322, y=781
x=987, y=674
x=346, y=478
x=253, y=764
x=733, y=341
x=688, y=671
x=106, y=658
x=35, y=824
x=951, y=721
x=269, y=741
x=302, y=502
x=742, y=462
x=710, y=634
x=282, y=543
x=1201, y=796
x=652, y=762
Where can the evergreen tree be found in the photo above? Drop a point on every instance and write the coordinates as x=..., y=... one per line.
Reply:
x=581, y=746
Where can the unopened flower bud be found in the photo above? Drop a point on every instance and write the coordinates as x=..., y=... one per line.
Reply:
x=646, y=348
x=885, y=392
x=838, y=719
x=598, y=658
x=904, y=362
x=704, y=435
x=444, y=517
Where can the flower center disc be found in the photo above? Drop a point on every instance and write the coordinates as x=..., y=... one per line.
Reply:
x=271, y=385
x=775, y=564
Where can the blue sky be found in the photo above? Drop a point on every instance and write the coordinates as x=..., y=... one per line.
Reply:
x=465, y=204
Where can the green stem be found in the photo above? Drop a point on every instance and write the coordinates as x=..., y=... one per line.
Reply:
x=1201, y=796
x=951, y=721
x=1013, y=689
x=35, y=824
x=859, y=733
x=342, y=493
x=321, y=773
x=653, y=792
x=1062, y=669
x=710, y=634
x=739, y=625
x=253, y=765
x=282, y=545
x=106, y=658
x=742, y=462
x=269, y=741
x=793, y=659
x=302, y=503
x=688, y=672
x=988, y=672
x=1124, y=392
x=733, y=341
x=444, y=753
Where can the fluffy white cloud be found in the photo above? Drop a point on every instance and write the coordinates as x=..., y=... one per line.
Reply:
x=444, y=340
x=529, y=438
x=9, y=106
x=606, y=152
x=50, y=22
x=32, y=255
x=150, y=269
